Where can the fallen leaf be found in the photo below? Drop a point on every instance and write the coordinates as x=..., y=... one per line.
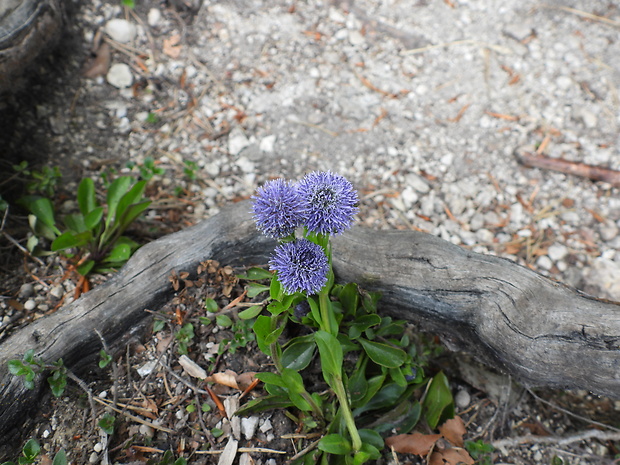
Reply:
x=414, y=443
x=99, y=64
x=192, y=368
x=172, y=46
x=453, y=430
x=226, y=378
x=452, y=456
x=245, y=380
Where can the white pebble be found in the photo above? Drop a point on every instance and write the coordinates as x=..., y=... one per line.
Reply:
x=57, y=291
x=248, y=426
x=246, y=165
x=266, y=426
x=557, y=252
x=120, y=30
x=120, y=76
x=544, y=262
x=30, y=305
x=94, y=458
x=268, y=143
x=153, y=17
x=462, y=399
x=98, y=447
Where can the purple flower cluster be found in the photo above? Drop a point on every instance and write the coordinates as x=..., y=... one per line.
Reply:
x=323, y=202
x=277, y=209
x=302, y=266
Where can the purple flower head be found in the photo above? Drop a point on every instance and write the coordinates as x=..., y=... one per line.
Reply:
x=329, y=202
x=302, y=266
x=277, y=209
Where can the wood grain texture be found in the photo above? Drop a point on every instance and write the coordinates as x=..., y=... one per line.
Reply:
x=540, y=331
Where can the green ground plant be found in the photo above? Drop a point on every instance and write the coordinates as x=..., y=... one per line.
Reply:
x=94, y=235
x=370, y=367
x=32, y=450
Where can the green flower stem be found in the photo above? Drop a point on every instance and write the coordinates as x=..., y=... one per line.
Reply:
x=338, y=387
x=325, y=307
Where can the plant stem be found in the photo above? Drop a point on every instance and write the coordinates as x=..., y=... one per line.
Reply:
x=338, y=387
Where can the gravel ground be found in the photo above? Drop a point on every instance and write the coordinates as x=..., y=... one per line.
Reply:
x=421, y=104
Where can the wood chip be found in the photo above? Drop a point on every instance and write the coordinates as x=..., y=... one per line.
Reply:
x=192, y=368
x=229, y=453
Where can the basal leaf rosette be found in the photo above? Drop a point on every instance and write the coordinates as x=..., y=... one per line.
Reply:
x=301, y=266
x=277, y=209
x=329, y=202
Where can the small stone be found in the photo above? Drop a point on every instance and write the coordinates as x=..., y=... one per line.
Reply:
x=564, y=82
x=588, y=118
x=417, y=183
x=267, y=426
x=146, y=431
x=409, y=196
x=147, y=368
x=544, y=262
x=246, y=165
x=268, y=143
x=98, y=447
x=57, y=291
x=608, y=232
x=237, y=141
x=121, y=30
x=30, y=305
x=248, y=426
x=192, y=368
x=462, y=399
x=94, y=458
x=26, y=290
x=120, y=76
x=557, y=252
x=355, y=38
x=153, y=17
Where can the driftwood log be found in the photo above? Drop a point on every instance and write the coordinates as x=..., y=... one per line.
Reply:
x=538, y=330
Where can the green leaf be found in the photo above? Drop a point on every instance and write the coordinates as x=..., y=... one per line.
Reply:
x=58, y=382
x=331, y=355
x=387, y=396
x=86, y=267
x=349, y=298
x=295, y=385
x=180, y=460
x=251, y=312
x=271, y=378
x=17, y=368
x=68, y=240
x=134, y=196
x=335, y=444
x=211, y=305
x=362, y=323
x=120, y=253
x=224, y=321
x=132, y=212
x=107, y=423
x=383, y=354
x=271, y=402
x=262, y=327
x=86, y=196
x=298, y=354
x=93, y=218
x=31, y=449
x=438, y=404
x=275, y=289
x=104, y=359
x=358, y=386
x=116, y=191
x=42, y=208
x=254, y=289
x=75, y=223
x=401, y=418
x=60, y=458
x=256, y=274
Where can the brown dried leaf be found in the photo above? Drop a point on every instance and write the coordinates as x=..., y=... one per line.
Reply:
x=414, y=443
x=453, y=456
x=227, y=378
x=172, y=46
x=99, y=64
x=453, y=430
x=245, y=380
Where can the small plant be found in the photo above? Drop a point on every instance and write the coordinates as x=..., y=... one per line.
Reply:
x=31, y=366
x=94, y=236
x=32, y=450
x=480, y=451
x=185, y=337
x=148, y=169
x=366, y=360
x=42, y=182
x=190, y=169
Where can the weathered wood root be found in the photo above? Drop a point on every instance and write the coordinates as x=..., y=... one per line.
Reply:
x=540, y=331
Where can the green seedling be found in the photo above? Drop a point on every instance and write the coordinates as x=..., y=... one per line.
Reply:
x=94, y=236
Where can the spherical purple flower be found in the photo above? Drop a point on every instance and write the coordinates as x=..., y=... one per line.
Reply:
x=277, y=209
x=329, y=202
x=302, y=266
